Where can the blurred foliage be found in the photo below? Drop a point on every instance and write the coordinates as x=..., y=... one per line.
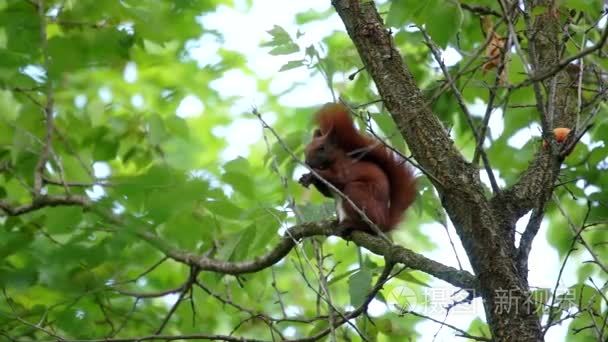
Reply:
x=118, y=140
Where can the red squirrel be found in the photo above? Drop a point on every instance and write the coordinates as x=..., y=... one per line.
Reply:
x=373, y=177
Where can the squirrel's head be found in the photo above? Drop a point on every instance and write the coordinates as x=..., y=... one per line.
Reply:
x=322, y=150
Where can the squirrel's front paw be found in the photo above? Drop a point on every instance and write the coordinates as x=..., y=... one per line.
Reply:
x=306, y=179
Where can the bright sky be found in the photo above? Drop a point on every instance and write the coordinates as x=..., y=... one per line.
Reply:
x=243, y=29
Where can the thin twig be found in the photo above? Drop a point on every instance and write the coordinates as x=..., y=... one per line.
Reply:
x=185, y=288
x=318, y=248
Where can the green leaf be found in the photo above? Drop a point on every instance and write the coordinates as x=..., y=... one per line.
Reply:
x=186, y=230
x=316, y=212
x=12, y=242
x=106, y=149
x=292, y=65
x=369, y=329
x=359, y=287
x=268, y=222
x=342, y=276
x=577, y=331
x=245, y=240
x=586, y=296
x=158, y=133
x=402, y=12
x=22, y=31
x=241, y=182
x=279, y=36
x=101, y=47
x=384, y=325
x=224, y=208
x=387, y=125
x=238, y=175
x=410, y=278
x=447, y=18
x=479, y=328
x=292, y=141
x=560, y=237
x=588, y=6
x=285, y=49
x=311, y=15
x=319, y=326
x=20, y=278
x=281, y=42
x=9, y=107
x=63, y=219
x=181, y=153
x=538, y=10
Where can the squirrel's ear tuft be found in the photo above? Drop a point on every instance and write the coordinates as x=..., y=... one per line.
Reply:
x=333, y=107
x=316, y=133
x=329, y=114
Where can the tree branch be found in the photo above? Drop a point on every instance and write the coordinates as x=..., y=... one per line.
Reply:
x=45, y=201
x=525, y=243
x=396, y=254
x=140, y=295
x=480, y=10
x=185, y=288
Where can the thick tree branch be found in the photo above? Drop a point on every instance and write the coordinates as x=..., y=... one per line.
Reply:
x=535, y=183
x=396, y=254
x=44, y=201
